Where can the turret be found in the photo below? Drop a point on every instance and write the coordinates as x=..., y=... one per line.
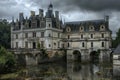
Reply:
x=32, y=13
x=21, y=17
x=57, y=14
x=41, y=12
x=107, y=18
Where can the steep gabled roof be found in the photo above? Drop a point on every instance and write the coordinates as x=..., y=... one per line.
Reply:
x=117, y=50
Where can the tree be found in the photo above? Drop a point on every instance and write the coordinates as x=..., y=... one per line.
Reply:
x=7, y=61
x=116, y=42
x=5, y=34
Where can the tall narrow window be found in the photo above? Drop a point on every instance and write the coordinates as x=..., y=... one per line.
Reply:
x=68, y=45
x=103, y=45
x=91, y=44
x=16, y=44
x=58, y=35
x=26, y=44
x=49, y=25
x=42, y=44
x=81, y=36
x=34, y=34
x=68, y=36
x=83, y=45
x=49, y=35
x=91, y=35
x=16, y=36
x=26, y=35
x=102, y=35
x=42, y=34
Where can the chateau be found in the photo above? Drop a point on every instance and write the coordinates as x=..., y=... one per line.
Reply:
x=51, y=33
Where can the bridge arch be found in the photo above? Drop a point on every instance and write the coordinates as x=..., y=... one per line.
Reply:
x=94, y=56
x=77, y=55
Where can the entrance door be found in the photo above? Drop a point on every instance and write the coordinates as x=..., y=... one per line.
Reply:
x=34, y=45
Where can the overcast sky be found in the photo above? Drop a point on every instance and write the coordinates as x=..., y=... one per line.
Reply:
x=70, y=10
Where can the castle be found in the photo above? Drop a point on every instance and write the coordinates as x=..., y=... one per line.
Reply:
x=50, y=33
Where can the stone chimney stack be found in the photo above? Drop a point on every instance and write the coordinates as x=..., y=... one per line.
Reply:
x=32, y=13
x=41, y=12
x=57, y=14
x=107, y=18
x=21, y=17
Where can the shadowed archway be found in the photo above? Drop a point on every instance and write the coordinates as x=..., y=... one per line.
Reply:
x=77, y=55
x=94, y=56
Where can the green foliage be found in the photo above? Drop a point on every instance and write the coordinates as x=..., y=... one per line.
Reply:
x=44, y=54
x=116, y=42
x=7, y=61
x=5, y=35
x=38, y=45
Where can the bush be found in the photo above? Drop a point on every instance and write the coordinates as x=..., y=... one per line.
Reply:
x=7, y=61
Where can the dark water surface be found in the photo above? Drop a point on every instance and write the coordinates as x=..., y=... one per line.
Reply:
x=70, y=71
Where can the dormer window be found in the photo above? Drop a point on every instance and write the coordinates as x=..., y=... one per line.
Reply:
x=102, y=27
x=91, y=28
x=68, y=29
x=81, y=28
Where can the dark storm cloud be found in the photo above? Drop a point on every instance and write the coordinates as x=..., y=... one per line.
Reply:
x=93, y=5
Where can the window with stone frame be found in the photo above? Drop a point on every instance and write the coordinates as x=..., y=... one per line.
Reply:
x=81, y=28
x=42, y=44
x=103, y=44
x=91, y=28
x=91, y=44
x=102, y=27
x=68, y=29
x=42, y=34
x=91, y=35
x=16, y=44
x=16, y=36
x=34, y=34
x=83, y=44
x=26, y=44
x=102, y=35
x=26, y=35
x=81, y=36
x=68, y=36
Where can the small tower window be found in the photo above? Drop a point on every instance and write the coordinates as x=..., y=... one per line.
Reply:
x=103, y=45
x=49, y=25
x=68, y=36
x=83, y=45
x=91, y=44
x=26, y=35
x=68, y=45
x=49, y=45
x=91, y=35
x=42, y=34
x=81, y=36
x=16, y=36
x=102, y=35
x=49, y=35
x=34, y=34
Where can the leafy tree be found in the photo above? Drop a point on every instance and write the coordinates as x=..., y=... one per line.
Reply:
x=7, y=61
x=5, y=34
x=116, y=42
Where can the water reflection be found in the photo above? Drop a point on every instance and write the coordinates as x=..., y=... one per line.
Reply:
x=71, y=71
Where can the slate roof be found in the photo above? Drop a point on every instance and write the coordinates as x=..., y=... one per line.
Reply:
x=96, y=23
x=117, y=50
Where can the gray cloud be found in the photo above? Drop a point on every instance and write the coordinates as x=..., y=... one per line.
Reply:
x=71, y=10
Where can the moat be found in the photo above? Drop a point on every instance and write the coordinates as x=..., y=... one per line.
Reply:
x=68, y=71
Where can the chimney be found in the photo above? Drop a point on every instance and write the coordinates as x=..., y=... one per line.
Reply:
x=21, y=17
x=107, y=18
x=32, y=13
x=57, y=14
x=41, y=12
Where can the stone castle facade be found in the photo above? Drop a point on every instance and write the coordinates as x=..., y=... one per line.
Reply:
x=50, y=33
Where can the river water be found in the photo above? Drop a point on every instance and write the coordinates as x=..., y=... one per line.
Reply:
x=71, y=71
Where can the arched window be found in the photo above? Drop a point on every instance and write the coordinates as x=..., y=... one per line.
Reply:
x=103, y=44
x=91, y=35
x=91, y=44
x=83, y=45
